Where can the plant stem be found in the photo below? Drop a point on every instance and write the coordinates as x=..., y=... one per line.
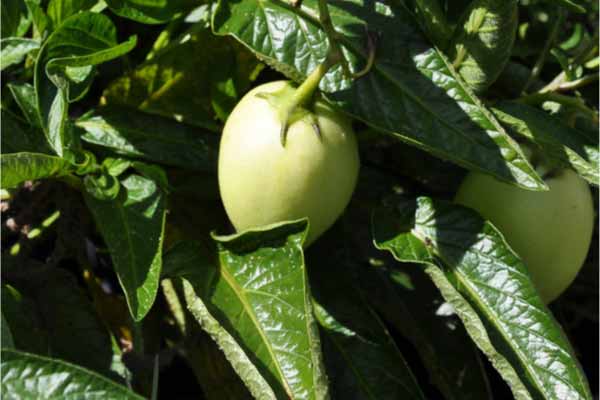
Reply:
x=334, y=47
x=539, y=98
x=305, y=91
x=174, y=305
x=560, y=85
x=302, y=95
x=539, y=64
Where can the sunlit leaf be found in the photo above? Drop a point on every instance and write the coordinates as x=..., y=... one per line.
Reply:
x=20, y=167
x=490, y=290
x=411, y=92
x=28, y=376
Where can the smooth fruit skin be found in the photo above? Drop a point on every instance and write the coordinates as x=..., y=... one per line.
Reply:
x=263, y=182
x=551, y=231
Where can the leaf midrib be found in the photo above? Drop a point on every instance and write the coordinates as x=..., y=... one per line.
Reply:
x=131, y=253
x=239, y=291
x=107, y=127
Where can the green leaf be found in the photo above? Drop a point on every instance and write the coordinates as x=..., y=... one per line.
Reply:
x=116, y=166
x=213, y=372
x=150, y=11
x=18, y=137
x=132, y=226
x=180, y=81
x=411, y=92
x=14, y=19
x=24, y=95
x=13, y=50
x=153, y=172
x=27, y=376
x=483, y=42
x=565, y=145
x=405, y=298
x=138, y=134
x=362, y=359
x=46, y=308
x=39, y=18
x=5, y=334
x=255, y=303
x=576, y=39
x=20, y=167
x=59, y=10
x=82, y=40
x=234, y=353
x=103, y=187
x=490, y=290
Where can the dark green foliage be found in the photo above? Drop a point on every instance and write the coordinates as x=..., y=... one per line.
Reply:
x=121, y=278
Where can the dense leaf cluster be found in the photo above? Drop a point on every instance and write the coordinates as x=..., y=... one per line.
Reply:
x=119, y=280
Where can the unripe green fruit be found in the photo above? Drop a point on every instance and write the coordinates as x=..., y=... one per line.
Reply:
x=263, y=182
x=551, y=231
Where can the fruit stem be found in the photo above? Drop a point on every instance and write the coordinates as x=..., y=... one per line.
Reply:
x=334, y=47
x=303, y=94
x=292, y=102
x=305, y=91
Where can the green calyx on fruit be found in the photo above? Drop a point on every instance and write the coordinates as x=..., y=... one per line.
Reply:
x=292, y=104
x=262, y=182
x=288, y=111
x=551, y=230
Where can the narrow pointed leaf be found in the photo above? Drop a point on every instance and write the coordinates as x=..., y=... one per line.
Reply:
x=565, y=145
x=28, y=376
x=24, y=95
x=13, y=50
x=95, y=39
x=256, y=304
x=20, y=167
x=213, y=372
x=234, y=352
x=411, y=92
x=132, y=226
x=490, y=289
